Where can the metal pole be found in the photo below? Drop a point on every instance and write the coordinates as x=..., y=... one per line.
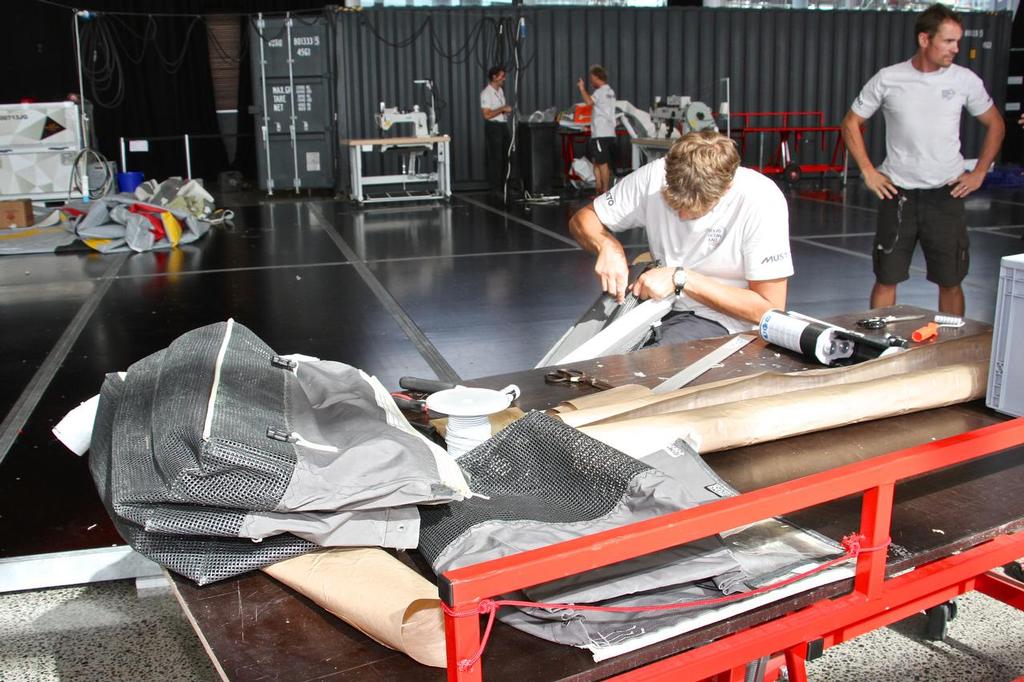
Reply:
x=83, y=119
x=266, y=114
x=728, y=105
x=188, y=159
x=291, y=98
x=124, y=158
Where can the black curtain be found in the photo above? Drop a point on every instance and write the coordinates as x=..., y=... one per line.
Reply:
x=245, y=154
x=151, y=79
x=151, y=75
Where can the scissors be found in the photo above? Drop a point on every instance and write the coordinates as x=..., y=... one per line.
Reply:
x=880, y=322
x=574, y=376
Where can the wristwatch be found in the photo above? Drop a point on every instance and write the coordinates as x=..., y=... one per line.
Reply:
x=679, y=280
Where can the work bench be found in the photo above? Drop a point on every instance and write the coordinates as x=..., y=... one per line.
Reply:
x=439, y=180
x=255, y=628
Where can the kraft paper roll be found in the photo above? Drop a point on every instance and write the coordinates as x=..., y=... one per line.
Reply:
x=746, y=422
x=375, y=593
x=975, y=348
x=618, y=394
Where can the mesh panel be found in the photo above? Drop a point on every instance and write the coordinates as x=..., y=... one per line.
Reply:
x=187, y=519
x=204, y=560
x=537, y=469
x=239, y=466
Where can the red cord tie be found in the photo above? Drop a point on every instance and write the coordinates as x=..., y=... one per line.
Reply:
x=489, y=607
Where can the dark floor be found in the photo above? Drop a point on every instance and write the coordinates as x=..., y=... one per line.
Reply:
x=456, y=290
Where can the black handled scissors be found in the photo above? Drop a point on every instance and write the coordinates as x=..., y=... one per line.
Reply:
x=574, y=376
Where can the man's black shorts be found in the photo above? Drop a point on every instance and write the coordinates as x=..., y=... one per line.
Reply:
x=931, y=216
x=602, y=149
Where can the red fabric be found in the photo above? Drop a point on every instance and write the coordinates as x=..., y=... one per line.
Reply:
x=152, y=214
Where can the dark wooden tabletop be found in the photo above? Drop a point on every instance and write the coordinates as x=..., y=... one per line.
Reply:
x=254, y=628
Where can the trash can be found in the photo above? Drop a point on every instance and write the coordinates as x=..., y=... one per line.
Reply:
x=540, y=160
x=129, y=180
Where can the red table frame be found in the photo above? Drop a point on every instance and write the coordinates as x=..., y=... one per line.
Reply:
x=874, y=601
x=790, y=125
x=569, y=137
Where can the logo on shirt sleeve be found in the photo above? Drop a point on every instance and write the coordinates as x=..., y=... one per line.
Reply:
x=775, y=258
x=609, y=198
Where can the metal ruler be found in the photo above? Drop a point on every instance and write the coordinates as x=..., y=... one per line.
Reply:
x=694, y=370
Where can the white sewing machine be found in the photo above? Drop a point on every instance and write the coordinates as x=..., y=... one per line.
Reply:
x=390, y=116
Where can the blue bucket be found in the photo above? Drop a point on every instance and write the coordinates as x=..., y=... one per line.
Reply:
x=129, y=180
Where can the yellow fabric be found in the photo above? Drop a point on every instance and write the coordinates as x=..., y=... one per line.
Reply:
x=172, y=226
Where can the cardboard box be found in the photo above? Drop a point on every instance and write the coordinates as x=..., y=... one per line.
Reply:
x=16, y=213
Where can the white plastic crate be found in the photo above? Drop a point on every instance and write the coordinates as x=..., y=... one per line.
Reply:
x=1006, y=370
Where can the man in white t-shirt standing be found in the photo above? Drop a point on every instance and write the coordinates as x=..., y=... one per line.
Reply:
x=721, y=231
x=496, y=132
x=602, y=125
x=922, y=182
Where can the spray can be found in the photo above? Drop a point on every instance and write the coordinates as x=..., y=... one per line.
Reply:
x=811, y=339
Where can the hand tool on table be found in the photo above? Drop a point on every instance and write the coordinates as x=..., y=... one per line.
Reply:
x=426, y=386
x=878, y=322
x=575, y=376
x=694, y=370
x=407, y=402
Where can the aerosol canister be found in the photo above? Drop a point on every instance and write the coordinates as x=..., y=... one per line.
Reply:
x=809, y=338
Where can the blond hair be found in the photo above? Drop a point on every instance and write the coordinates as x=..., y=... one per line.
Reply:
x=698, y=170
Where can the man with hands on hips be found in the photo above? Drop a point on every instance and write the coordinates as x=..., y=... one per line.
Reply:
x=922, y=182
x=722, y=232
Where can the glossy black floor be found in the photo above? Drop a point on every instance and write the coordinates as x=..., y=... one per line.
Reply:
x=450, y=290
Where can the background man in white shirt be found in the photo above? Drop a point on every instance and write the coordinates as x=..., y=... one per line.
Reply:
x=922, y=182
x=496, y=132
x=721, y=231
x=602, y=125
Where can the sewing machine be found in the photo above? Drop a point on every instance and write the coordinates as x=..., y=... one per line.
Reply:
x=679, y=110
x=424, y=125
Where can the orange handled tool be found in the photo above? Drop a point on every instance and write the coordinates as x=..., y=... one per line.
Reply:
x=926, y=332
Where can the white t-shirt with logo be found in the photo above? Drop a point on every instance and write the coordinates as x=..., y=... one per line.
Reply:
x=602, y=114
x=922, y=120
x=744, y=237
x=493, y=99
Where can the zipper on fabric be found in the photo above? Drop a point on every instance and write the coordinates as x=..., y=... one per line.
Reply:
x=208, y=425
x=283, y=363
x=295, y=437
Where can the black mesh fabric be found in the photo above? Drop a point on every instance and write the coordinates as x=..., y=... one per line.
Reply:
x=537, y=469
x=203, y=559
x=238, y=466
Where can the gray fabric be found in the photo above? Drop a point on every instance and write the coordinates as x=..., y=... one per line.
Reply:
x=598, y=317
x=108, y=218
x=548, y=483
x=330, y=403
x=396, y=528
x=164, y=482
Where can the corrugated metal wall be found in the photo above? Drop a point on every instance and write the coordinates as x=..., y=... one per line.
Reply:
x=776, y=60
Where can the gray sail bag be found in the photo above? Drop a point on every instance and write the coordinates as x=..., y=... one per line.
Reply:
x=215, y=456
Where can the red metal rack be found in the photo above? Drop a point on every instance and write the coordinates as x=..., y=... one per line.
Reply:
x=790, y=127
x=874, y=601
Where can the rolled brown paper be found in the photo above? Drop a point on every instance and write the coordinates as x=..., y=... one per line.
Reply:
x=375, y=593
x=730, y=425
x=969, y=349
